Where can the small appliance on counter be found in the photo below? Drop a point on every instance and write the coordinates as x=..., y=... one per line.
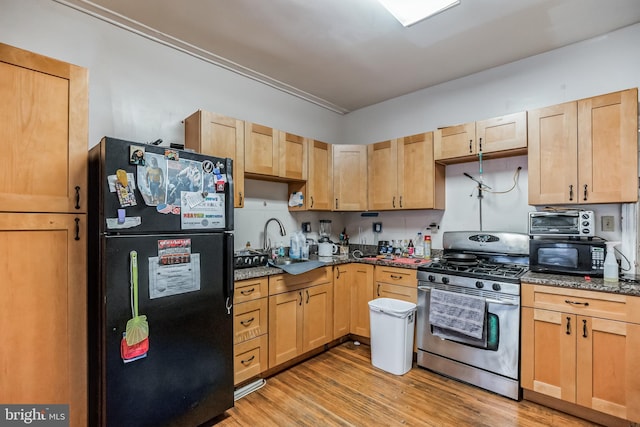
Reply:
x=584, y=257
x=325, y=231
x=565, y=223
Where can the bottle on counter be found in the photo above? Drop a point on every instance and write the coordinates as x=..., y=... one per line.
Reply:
x=418, y=251
x=427, y=247
x=410, y=248
x=295, y=248
x=304, y=253
x=610, y=263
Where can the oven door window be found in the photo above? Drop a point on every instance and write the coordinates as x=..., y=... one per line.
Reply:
x=558, y=257
x=492, y=327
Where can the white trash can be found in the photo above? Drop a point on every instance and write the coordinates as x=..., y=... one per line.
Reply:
x=392, y=325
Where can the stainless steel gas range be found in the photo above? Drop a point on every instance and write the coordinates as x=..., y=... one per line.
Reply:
x=468, y=321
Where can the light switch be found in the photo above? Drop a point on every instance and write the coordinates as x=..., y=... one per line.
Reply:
x=607, y=223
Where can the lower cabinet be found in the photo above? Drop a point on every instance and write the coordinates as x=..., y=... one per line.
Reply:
x=342, y=277
x=300, y=313
x=582, y=347
x=250, y=328
x=397, y=283
x=250, y=358
x=361, y=293
x=43, y=311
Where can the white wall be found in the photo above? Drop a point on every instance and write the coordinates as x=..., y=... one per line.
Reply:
x=604, y=64
x=141, y=90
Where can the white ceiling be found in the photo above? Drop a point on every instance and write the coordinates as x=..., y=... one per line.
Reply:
x=348, y=54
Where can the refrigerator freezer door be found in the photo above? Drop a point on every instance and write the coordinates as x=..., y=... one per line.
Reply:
x=185, y=377
x=147, y=198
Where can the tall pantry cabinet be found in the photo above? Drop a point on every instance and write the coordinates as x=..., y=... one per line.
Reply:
x=43, y=140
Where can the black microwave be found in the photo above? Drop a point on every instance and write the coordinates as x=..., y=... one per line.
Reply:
x=583, y=257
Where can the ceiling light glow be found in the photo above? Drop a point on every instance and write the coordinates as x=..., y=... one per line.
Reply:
x=409, y=12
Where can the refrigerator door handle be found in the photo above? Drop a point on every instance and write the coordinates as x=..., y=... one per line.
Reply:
x=228, y=271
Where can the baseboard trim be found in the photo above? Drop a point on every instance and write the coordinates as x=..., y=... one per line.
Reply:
x=576, y=410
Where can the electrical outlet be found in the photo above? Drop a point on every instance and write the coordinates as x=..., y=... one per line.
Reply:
x=377, y=227
x=607, y=223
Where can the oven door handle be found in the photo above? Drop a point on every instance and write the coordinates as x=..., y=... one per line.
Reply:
x=488, y=300
x=500, y=302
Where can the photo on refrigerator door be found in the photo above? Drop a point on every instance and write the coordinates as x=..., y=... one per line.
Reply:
x=152, y=179
x=183, y=175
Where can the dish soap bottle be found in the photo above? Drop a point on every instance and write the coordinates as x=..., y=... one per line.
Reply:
x=610, y=263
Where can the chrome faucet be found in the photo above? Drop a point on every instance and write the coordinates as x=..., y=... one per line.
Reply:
x=265, y=245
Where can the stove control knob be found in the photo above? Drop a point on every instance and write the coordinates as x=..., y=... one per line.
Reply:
x=496, y=286
x=431, y=278
x=479, y=285
x=445, y=280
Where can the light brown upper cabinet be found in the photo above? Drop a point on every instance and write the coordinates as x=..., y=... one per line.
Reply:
x=320, y=178
x=217, y=135
x=585, y=151
x=274, y=155
x=293, y=156
x=402, y=174
x=350, y=177
x=496, y=137
x=43, y=137
x=261, y=150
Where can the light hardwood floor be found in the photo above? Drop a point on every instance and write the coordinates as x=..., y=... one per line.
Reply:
x=340, y=387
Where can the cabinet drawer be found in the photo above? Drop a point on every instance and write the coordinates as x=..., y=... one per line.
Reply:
x=280, y=283
x=250, y=319
x=246, y=290
x=403, y=293
x=250, y=358
x=589, y=303
x=396, y=276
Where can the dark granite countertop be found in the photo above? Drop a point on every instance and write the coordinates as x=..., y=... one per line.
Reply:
x=627, y=285
x=255, y=272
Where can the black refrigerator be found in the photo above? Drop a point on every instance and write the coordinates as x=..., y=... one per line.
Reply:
x=160, y=285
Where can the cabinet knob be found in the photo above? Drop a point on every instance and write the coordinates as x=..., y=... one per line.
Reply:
x=585, y=192
x=571, y=192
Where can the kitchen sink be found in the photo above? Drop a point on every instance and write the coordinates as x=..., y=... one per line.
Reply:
x=296, y=266
x=287, y=261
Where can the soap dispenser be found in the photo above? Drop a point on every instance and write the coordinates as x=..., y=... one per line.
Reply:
x=610, y=263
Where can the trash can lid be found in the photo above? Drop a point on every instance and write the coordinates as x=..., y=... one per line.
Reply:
x=392, y=306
